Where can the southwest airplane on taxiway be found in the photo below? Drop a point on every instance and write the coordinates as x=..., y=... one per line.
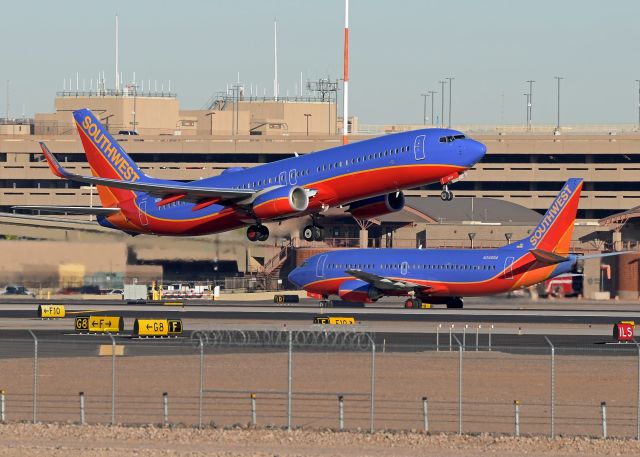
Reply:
x=445, y=276
x=369, y=176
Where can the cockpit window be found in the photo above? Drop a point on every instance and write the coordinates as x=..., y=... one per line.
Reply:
x=451, y=139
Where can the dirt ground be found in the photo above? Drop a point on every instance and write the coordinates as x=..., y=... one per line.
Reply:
x=60, y=440
x=491, y=383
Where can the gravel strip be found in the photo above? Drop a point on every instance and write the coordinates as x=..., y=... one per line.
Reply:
x=20, y=439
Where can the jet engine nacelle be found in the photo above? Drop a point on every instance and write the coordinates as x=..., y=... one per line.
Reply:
x=356, y=290
x=377, y=206
x=281, y=201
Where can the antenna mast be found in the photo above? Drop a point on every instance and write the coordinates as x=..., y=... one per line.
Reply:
x=117, y=70
x=275, y=59
x=345, y=102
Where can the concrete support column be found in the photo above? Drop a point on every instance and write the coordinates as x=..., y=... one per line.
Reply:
x=364, y=238
x=616, y=238
x=591, y=281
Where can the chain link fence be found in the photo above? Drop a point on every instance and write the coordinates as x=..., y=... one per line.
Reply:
x=324, y=378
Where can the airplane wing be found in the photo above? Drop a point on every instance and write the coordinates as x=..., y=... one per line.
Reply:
x=188, y=193
x=387, y=284
x=97, y=211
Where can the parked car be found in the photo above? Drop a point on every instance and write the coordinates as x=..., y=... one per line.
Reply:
x=17, y=290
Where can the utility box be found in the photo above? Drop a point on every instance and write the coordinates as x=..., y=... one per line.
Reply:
x=135, y=292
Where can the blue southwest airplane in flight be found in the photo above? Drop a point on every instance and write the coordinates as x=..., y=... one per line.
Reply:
x=445, y=276
x=369, y=176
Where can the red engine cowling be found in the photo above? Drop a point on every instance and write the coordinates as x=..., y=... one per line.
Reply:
x=377, y=206
x=359, y=291
x=283, y=201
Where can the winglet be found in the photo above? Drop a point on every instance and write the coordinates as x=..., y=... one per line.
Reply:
x=54, y=165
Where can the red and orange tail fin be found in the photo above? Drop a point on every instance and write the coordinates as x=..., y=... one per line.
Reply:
x=106, y=158
x=553, y=233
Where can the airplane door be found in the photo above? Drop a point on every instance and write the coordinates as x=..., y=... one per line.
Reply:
x=418, y=147
x=404, y=267
x=320, y=266
x=142, y=213
x=292, y=177
x=508, y=268
x=282, y=177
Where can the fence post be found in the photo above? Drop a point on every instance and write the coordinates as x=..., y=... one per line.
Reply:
x=464, y=336
x=438, y=337
x=490, y=332
x=253, y=410
x=459, y=385
x=516, y=410
x=290, y=366
x=603, y=416
x=373, y=383
x=165, y=409
x=478, y=335
x=113, y=379
x=341, y=412
x=82, y=415
x=201, y=388
x=35, y=375
x=450, y=337
x=2, y=410
x=425, y=414
x=553, y=387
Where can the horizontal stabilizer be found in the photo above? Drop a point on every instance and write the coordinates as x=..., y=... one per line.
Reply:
x=97, y=211
x=604, y=254
x=547, y=257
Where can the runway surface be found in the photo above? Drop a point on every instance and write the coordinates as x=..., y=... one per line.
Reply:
x=57, y=343
x=520, y=324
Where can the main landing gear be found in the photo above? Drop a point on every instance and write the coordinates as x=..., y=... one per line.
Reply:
x=411, y=303
x=455, y=303
x=446, y=195
x=313, y=233
x=257, y=233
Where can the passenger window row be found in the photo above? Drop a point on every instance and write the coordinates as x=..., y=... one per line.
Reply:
x=326, y=167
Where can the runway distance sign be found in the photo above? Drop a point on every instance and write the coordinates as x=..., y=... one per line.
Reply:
x=175, y=326
x=99, y=324
x=157, y=327
x=51, y=311
x=334, y=320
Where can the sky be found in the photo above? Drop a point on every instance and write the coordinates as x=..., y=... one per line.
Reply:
x=398, y=50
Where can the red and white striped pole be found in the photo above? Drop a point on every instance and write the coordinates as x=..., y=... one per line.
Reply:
x=345, y=102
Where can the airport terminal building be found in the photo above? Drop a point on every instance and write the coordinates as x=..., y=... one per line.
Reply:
x=501, y=198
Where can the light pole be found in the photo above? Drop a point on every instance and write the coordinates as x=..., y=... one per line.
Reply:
x=432, y=92
x=442, y=83
x=307, y=115
x=424, y=110
x=638, y=81
x=559, y=78
x=135, y=124
x=526, y=94
x=450, y=84
x=530, y=104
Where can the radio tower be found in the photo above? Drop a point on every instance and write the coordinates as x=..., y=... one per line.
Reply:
x=345, y=102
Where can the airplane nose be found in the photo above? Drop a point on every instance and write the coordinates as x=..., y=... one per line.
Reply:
x=295, y=277
x=477, y=151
